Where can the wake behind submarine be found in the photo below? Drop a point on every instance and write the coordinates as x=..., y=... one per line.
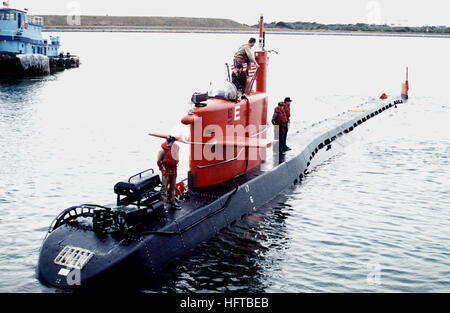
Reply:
x=88, y=242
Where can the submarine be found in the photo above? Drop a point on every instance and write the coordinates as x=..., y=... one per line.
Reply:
x=232, y=172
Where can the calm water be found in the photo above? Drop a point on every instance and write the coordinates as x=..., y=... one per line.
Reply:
x=375, y=217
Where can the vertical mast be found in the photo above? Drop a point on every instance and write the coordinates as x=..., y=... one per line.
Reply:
x=261, y=58
x=261, y=32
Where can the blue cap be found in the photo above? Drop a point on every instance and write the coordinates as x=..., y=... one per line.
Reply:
x=171, y=139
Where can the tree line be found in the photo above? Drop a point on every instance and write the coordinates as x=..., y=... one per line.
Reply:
x=358, y=27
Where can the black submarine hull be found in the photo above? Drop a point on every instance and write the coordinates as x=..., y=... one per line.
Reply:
x=204, y=214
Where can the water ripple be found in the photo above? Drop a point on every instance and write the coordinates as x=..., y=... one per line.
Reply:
x=373, y=218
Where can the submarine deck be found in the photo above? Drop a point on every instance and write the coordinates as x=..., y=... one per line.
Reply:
x=306, y=142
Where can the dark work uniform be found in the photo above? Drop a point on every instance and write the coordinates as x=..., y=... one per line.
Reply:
x=287, y=110
x=239, y=80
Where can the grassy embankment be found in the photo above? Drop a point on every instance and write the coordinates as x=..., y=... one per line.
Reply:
x=141, y=23
x=154, y=23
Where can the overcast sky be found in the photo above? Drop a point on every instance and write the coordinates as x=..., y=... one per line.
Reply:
x=404, y=12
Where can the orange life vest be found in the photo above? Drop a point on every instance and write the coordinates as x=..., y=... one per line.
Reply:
x=281, y=116
x=169, y=162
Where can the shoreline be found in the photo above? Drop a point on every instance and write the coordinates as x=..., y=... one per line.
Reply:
x=242, y=31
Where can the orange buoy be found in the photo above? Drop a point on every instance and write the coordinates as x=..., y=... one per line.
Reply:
x=383, y=96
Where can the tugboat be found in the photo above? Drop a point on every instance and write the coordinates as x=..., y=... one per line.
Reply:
x=230, y=176
x=23, y=51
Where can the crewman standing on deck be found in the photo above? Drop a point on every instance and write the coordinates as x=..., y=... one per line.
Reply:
x=245, y=55
x=280, y=120
x=167, y=163
x=287, y=109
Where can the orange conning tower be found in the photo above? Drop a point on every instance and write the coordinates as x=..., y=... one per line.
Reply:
x=228, y=138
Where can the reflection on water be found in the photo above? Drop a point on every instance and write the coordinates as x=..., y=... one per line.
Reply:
x=374, y=217
x=19, y=91
x=237, y=260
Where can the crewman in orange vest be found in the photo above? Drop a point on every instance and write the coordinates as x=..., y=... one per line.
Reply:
x=167, y=163
x=280, y=119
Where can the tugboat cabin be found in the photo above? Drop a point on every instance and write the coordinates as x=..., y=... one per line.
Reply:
x=22, y=34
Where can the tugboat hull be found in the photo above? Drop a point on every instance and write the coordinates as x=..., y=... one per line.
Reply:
x=27, y=65
x=23, y=64
x=62, y=63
